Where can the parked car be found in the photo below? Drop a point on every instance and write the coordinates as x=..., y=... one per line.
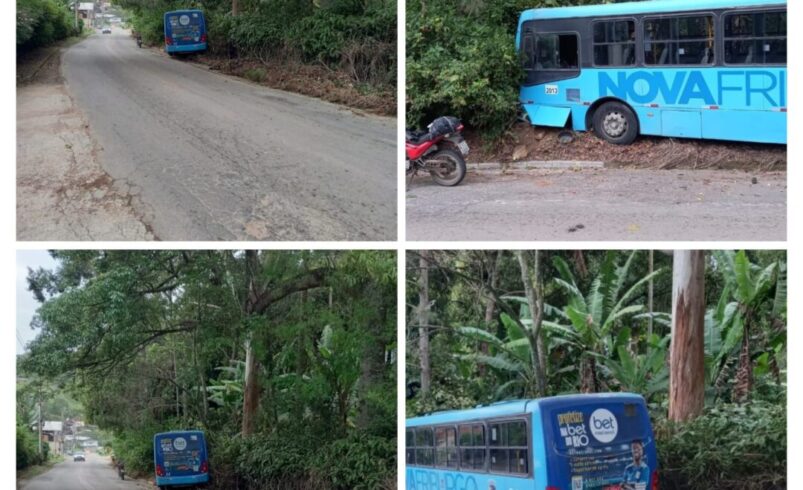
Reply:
x=107, y=30
x=78, y=457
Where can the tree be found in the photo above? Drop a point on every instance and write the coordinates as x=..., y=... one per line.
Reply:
x=687, y=357
x=423, y=323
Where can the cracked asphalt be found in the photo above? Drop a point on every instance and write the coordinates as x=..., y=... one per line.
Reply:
x=203, y=156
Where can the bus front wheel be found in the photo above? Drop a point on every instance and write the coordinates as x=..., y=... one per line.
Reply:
x=615, y=123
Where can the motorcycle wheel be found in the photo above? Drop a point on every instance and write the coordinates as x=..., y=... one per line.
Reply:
x=453, y=170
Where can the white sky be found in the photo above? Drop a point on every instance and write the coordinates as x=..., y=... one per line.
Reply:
x=26, y=304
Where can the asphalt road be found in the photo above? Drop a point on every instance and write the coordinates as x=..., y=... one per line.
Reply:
x=212, y=157
x=602, y=204
x=96, y=473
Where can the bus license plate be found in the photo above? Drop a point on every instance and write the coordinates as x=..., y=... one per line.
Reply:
x=463, y=146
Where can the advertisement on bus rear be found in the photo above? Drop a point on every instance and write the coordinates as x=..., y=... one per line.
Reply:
x=602, y=447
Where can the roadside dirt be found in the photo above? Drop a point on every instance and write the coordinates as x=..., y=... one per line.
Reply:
x=313, y=80
x=63, y=193
x=524, y=142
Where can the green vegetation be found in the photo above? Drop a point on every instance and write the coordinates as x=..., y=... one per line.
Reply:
x=43, y=22
x=508, y=325
x=285, y=359
x=357, y=37
x=461, y=60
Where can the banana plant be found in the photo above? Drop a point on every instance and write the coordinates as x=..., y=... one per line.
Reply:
x=646, y=373
x=748, y=288
x=595, y=315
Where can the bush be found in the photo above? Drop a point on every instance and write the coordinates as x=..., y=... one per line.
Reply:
x=42, y=22
x=27, y=448
x=135, y=449
x=741, y=447
x=298, y=460
x=359, y=462
x=463, y=64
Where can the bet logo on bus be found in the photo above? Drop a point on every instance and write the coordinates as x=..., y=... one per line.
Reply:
x=604, y=426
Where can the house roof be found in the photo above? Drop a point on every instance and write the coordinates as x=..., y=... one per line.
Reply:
x=52, y=426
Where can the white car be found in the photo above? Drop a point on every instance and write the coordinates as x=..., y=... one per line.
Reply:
x=107, y=30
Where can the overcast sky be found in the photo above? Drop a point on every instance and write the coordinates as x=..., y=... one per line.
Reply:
x=26, y=304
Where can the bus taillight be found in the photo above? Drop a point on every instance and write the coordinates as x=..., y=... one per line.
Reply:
x=654, y=480
x=204, y=467
x=159, y=470
x=203, y=37
x=168, y=40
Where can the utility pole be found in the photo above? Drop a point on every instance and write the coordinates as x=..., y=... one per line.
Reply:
x=76, y=15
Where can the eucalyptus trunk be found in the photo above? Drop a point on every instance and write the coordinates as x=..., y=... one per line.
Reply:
x=423, y=322
x=533, y=290
x=687, y=350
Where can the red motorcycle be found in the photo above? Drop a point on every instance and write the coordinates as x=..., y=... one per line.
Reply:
x=440, y=151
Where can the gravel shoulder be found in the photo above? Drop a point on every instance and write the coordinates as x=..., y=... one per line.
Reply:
x=63, y=192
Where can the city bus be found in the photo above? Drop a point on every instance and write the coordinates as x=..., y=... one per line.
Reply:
x=571, y=442
x=180, y=459
x=712, y=69
x=185, y=31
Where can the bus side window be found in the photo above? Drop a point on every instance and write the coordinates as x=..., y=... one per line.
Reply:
x=410, y=442
x=755, y=38
x=424, y=447
x=472, y=447
x=615, y=43
x=445, y=447
x=528, y=51
x=509, y=447
x=556, y=52
x=682, y=40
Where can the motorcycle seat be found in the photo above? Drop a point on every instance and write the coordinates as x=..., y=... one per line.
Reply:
x=417, y=137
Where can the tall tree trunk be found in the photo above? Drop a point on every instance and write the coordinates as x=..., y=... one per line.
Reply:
x=588, y=374
x=423, y=322
x=251, y=389
x=490, y=303
x=744, y=375
x=650, y=295
x=235, y=8
x=686, y=354
x=535, y=300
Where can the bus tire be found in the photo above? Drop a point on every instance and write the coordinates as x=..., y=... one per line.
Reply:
x=616, y=123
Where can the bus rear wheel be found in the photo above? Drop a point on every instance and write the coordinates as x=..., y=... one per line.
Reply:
x=615, y=123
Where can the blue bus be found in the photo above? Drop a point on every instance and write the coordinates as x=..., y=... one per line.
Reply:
x=713, y=69
x=572, y=442
x=185, y=31
x=180, y=459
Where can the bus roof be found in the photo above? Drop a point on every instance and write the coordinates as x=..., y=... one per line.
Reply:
x=635, y=8
x=515, y=407
x=178, y=432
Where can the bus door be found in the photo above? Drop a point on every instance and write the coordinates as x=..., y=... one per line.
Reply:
x=548, y=58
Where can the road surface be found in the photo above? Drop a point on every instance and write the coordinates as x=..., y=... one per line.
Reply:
x=96, y=473
x=602, y=204
x=212, y=157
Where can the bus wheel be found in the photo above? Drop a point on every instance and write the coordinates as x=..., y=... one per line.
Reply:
x=615, y=123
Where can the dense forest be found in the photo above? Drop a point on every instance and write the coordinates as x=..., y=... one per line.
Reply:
x=485, y=326
x=285, y=359
x=356, y=38
x=462, y=61
x=43, y=22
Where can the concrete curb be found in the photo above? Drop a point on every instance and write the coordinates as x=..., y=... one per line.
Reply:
x=533, y=165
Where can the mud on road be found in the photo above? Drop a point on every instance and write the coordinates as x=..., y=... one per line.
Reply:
x=63, y=192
